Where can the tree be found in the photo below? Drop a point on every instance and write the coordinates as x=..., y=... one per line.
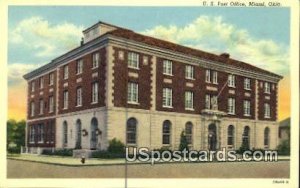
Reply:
x=183, y=142
x=15, y=134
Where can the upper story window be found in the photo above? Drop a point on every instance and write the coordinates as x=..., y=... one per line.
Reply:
x=267, y=87
x=215, y=77
x=32, y=109
x=51, y=79
x=133, y=60
x=41, y=82
x=95, y=92
x=79, y=66
x=32, y=134
x=32, y=86
x=167, y=97
x=133, y=93
x=96, y=60
x=247, y=110
x=167, y=67
x=51, y=104
x=66, y=72
x=189, y=72
x=267, y=110
x=66, y=100
x=211, y=76
x=211, y=101
x=189, y=100
x=207, y=76
x=247, y=83
x=41, y=106
x=231, y=80
x=231, y=106
x=79, y=96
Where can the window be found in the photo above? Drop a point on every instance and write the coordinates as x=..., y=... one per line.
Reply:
x=132, y=96
x=66, y=99
x=32, y=86
x=267, y=87
x=79, y=66
x=215, y=77
x=166, y=137
x=66, y=72
x=41, y=106
x=189, y=133
x=131, y=131
x=51, y=104
x=96, y=60
x=207, y=76
x=231, y=80
x=230, y=135
x=231, y=106
x=40, y=133
x=211, y=102
x=41, y=82
x=32, y=109
x=167, y=97
x=32, y=134
x=133, y=60
x=189, y=100
x=189, y=72
x=65, y=133
x=246, y=137
x=95, y=92
x=51, y=79
x=267, y=110
x=246, y=108
x=79, y=96
x=167, y=67
x=247, y=83
x=267, y=137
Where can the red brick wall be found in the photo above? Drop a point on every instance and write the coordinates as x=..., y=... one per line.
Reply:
x=272, y=101
x=49, y=131
x=86, y=83
x=45, y=96
x=120, y=79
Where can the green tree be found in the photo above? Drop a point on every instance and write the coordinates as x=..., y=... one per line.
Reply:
x=116, y=146
x=183, y=142
x=15, y=133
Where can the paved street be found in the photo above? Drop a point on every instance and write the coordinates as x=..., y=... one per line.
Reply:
x=25, y=169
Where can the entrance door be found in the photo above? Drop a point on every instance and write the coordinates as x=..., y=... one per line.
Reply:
x=94, y=136
x=78, y=135
x=212, y=137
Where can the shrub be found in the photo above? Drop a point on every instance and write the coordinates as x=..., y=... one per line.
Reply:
x=183, y=142
x=107, y=155
x=284, y=148
x=14, y=150
x=59, y=152
x=116, y=147
x=244, y=147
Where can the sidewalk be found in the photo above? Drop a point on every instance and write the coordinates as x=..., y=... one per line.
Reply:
x=70, y=161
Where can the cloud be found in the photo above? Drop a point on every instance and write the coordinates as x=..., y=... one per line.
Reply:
x=214, y=35
x=43, y=38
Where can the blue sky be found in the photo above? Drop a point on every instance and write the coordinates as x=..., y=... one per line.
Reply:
x=38, y=34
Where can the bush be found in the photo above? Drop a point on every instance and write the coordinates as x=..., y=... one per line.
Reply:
x=14, y=150
x=284, y=148
x=183, y=142
x=244, y=147
x=116, y=147
x=59, y=152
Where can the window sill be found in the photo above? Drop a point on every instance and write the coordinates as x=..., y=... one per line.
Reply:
x=215, y=83
x=136, y=68
x=233, y=114
x=248, y=89
x=233, y=87
x=190, y=78
x=166, y=74
x=78, y=74
x=247, y=115
x=78, y=106
x=190, y=109
x=168, y=107
x=94, y=102
x=93, y=68
x=65, y=108
x=267, y=117
x=40, y=142
x=132, y=102
x=267, y=92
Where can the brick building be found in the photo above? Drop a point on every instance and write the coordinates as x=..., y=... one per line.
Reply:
x=145, y=91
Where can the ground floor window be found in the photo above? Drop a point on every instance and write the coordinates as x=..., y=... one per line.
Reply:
x=230, y=135
x=131, y=131
x=246, y=137
x=65, y=133
x=166, y=132
x=189, y=132
x=267, y=137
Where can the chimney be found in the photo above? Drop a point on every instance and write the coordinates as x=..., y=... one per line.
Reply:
x=81, y=42
x=225, y=55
